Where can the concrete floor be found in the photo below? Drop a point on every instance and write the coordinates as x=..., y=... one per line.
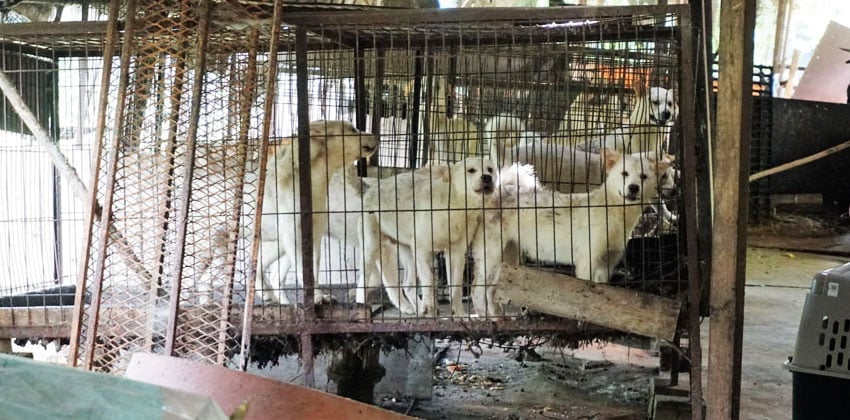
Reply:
x=777, y=282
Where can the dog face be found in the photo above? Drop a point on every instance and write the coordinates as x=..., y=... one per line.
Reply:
x=655, y=106
x=474, y=176
x=634, y=177
x=340, y=142
x=667, y=179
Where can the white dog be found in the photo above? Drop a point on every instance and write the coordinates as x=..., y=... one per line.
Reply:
x=333, y=144
x=652, y=116
x=587, y=230
x=503, y=133
x=345, y=208
x=428, y=214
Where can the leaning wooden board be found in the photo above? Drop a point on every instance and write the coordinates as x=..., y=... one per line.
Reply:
x=565, y=296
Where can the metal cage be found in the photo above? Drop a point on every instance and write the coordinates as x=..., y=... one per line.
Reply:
x=197, y=101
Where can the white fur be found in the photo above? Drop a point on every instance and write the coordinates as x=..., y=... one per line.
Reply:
x=654, y=113
x=503, y=133
x=587, y=230
x=333, y=144
x=569, y=170
x=428, y=214
x=345, y=208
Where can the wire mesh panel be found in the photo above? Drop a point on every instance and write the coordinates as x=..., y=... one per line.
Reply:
x=177, y=182
x=455, y=99
x=42, y=219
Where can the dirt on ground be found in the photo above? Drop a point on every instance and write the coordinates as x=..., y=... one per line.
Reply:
x=597, y=381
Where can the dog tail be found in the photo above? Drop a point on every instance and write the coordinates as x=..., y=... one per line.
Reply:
x=501, y=133
x=519, y=177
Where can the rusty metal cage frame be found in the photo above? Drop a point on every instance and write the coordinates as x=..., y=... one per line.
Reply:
x=237, y=323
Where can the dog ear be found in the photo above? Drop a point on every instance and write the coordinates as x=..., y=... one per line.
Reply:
x=318, y=139
x=669, y=158
x=640, y=85
x=661, y=167
x=610, y=156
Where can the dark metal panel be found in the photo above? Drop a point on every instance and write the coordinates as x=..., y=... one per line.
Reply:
x=801, y=128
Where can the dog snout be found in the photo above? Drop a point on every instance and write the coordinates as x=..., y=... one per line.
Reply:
x=487, y=185
x=634, y=189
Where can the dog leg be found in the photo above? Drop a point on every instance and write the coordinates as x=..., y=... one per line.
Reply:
x=406, y=261
x=428, y=304
x=272, y=291
x=320, y=296
x=487, y=256
x=456, y=260
x=369, y=277
x=391, y=281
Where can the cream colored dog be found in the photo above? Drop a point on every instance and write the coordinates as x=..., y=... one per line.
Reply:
x=650, y=121
x=333, y=144
x=587, y=230
x=427, y=214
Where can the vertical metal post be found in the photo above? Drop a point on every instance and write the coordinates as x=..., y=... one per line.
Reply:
x=248, y=93
x=106, y=214
x=697, y=244
x=268, y=114
x=306, y=201
x=734, y=106
x=92, y=212
x=186, y=190
x=416, y=110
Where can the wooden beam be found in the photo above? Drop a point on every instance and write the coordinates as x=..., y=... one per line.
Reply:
x=565, y=296
x=731, y=160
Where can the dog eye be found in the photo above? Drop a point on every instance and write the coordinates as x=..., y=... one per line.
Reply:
x=664, y=176
x=655, y=101
x=643, y=176
x=625, y=173
x=471, y=170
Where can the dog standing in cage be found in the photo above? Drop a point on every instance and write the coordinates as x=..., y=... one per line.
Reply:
x=345, y=206
x=652, y=117
x=587, y=230
x=427, y=214
x=333, y=144
x=569, y=170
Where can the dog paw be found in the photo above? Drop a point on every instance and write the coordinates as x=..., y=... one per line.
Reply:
x=458, y=311
x=270, y=297
x=406, y=308
x=322, y=298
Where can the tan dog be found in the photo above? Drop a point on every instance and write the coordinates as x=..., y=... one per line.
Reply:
x=333, y=144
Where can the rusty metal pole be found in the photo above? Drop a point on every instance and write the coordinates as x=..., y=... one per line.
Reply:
x=306, y=201
x=186, y=191
x=732, y=156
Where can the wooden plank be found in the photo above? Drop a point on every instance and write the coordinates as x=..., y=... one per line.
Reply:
x=266, y=398
x=565, y=296
x=731, y=160
x=35, y=322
